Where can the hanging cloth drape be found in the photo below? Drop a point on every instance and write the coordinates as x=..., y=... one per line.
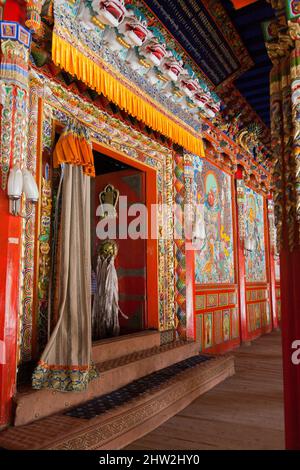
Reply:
x=73, y=147
x=66, y=362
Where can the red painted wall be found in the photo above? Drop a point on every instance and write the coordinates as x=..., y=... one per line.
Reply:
x=15, y=10
x=10, y=235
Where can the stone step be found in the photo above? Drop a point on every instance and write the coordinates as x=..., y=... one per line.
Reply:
x=113, y=348
x=32, y=405
x=128, y=418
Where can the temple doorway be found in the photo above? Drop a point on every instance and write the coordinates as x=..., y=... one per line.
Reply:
x=129, y=186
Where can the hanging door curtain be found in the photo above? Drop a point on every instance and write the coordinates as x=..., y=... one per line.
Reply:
x=65, y=364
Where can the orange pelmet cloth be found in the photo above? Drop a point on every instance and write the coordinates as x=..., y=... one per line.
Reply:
x=77, y=64
x=75, y=150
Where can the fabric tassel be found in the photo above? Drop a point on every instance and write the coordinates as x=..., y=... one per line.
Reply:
x=105, y=316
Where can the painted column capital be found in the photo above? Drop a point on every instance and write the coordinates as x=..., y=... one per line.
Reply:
x=15, y=32
x=15, y=43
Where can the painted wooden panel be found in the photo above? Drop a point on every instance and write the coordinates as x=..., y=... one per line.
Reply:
x=216, y=293
x=214, y=262
x=255, y=257
x=218, y=313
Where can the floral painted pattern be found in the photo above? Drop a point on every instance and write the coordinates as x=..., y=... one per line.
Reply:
x=62, y=378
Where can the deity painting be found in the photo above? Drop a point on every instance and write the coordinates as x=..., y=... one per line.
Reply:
x=226, y=325
x=214, y=254
x=255, y=257
x=208, y=340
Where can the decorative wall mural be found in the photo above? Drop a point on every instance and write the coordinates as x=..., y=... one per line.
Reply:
x=214, y=261
x=255, y=258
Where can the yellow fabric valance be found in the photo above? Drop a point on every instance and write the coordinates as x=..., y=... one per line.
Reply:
x=76, y=63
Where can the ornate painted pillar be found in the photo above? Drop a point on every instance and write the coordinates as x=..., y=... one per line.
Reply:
x=189, y=251
x=271, y=253
x=284, y=51
x=240, y=205
x=15, y=43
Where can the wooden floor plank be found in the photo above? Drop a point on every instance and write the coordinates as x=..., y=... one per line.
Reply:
x=244, y=412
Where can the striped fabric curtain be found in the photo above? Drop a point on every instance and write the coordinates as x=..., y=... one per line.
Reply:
x=65, y=364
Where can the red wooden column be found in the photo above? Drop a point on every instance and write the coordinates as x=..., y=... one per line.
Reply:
x=15, y=42
x=290, y=326
x=10, y=238
x=239, y=198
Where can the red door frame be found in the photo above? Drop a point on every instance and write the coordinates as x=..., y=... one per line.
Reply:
x=151, y=320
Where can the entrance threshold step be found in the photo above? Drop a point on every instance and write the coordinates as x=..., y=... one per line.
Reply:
x=31, y=405
x=117, y=419
x=113, y=348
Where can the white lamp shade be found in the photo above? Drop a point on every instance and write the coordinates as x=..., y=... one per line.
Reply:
x=249, y=244
x=30, y=188
x=15, y=183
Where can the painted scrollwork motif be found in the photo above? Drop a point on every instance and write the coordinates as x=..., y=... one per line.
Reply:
x=241, y=209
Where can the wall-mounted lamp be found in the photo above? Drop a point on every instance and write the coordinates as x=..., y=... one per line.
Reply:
x=249, y=244
x=199, y=232
x=20, y=181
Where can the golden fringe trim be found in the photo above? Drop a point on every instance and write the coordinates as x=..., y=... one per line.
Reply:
x=73, y=61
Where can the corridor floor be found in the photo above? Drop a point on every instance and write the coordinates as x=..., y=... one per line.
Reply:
x=244, y=412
